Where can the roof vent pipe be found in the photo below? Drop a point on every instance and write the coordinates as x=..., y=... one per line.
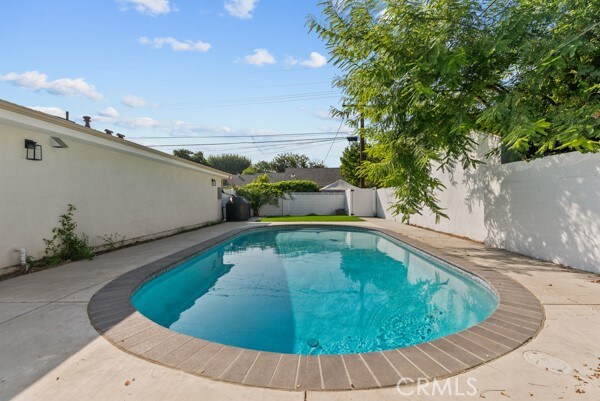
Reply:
x=109, y=132
x=67, y=116
x=87, y=120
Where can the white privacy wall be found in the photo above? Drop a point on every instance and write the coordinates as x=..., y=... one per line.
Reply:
x=547, y=208
x=463, y=201
x=322, y=203
x=116, y=188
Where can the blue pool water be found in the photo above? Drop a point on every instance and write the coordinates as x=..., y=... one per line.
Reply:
x=314, y=291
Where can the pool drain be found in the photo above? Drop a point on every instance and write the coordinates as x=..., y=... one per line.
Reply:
x=313, y=343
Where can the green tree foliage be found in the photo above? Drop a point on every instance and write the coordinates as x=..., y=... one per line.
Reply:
x=316, y=164
x=283, y=161
x=230, y=163
x=250, y=171
x=293, y=160
x=260, y=194
x=187, y=154
x=262, y=179
x=297, y=186
x=258, y=168
x=427, y=74
x=289, y=160
x=65, y=244
x=350, y=164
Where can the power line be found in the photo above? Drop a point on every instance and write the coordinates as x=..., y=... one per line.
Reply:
x=244, y=142
x=299, y=84
x=332, y=142
x=253, y=100
x=294, y=69
x=290, y=95
x=238, y=136
x=271, y=149
x=258, y=147
x=248, y=103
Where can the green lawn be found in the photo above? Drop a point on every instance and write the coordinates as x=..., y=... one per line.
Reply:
x=285, y=219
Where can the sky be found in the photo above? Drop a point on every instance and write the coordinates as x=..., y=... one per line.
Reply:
x=220, y=76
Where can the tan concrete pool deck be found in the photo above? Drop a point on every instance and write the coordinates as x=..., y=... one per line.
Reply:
x=50, y=351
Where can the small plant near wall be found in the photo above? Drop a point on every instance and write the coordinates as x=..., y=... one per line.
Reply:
x=113, y=241
x=65, y=244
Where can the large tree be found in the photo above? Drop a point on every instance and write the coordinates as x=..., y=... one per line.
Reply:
x=293, y=160
x=289, y=160
x=187, y=154
x=230, y=163
x=350, y=164
x=258, y=168
x=427, y=74
x=283, y=161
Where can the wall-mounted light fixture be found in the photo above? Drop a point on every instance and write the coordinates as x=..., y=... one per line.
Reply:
x=58, y=143
x=214, y=182
x=33, y=150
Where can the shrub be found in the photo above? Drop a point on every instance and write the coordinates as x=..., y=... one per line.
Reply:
x=65, y=244
x=261, y=192
x=259, y=195
x=297, y=186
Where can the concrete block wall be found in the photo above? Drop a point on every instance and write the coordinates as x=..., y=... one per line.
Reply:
x=322, y=203
x=548, y=208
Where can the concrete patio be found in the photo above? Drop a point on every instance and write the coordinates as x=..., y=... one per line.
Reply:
x=50, y=351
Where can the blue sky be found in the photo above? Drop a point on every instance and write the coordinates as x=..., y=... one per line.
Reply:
x=217, y=71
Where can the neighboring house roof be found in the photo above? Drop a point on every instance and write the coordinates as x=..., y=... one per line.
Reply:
x=339, y=185
x=15, y=114
x=243, y=179
x=322, y=176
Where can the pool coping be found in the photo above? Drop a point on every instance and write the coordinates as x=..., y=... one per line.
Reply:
x=517, y=319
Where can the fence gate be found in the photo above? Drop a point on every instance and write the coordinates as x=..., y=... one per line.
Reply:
x=362, y=202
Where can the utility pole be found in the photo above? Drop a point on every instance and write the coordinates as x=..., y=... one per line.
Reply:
x=362, y=148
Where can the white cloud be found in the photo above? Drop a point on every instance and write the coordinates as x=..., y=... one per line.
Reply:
x=260, y=57
x=344, y=129
x=325, y=115
x=291, y=61
x=53, y=111
x=177, y=127
x=37, y=81
x=240, y=8
x=140, y=122
x=317, y=60
x=176, y=45
x=109, y=112
x=150, y=7
x=134, y=101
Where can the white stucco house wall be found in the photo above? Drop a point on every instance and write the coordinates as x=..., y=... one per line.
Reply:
x=117, y=186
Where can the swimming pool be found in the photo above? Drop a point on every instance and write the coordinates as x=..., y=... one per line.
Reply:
x=322, y=290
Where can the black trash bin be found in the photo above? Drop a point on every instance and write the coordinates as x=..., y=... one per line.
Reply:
x=238, y=209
